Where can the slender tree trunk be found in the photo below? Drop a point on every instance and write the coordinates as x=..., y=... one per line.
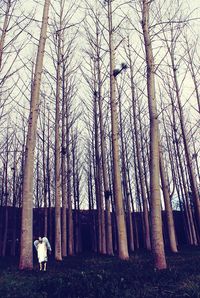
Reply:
x=37, y=184
x=14, y=220
x=141, y=171
x=63, y=169
x=48, y=171
x=137, y=191
x=97, y=195
x=98, y=180
x=45, y=228
x=76, y=195
x=168, y=207
x=132, y=214
x=129, y=214
x=5, y=234
x=26, y=249
x=91, y=208
x=156, y=219
x=109, y=244
x=144, y=154
x=125, y=182
x=1, y=210
x=78, y=222
x=58, y=247
x=69, y=186
x=113, y=217
x=174, y=178
x=120, y=217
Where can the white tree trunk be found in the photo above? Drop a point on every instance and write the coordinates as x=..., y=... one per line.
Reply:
x=26, y=244
x=155, y=200
x=119, y=207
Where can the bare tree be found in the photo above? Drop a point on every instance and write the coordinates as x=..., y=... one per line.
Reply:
x=155, y=199
x=58, y=248
x=120, y=217
x=26, y=248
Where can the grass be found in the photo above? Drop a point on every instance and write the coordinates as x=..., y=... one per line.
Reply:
x=99, y=276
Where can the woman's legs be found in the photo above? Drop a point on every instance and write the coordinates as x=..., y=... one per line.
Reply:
x=45, y=266
x=40, y=266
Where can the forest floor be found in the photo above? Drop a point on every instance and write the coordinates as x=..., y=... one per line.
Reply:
x=99, y=276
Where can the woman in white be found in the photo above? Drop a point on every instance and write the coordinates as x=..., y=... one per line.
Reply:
x=42, y=245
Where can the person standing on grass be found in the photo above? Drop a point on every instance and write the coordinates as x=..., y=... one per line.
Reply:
x=42, y=245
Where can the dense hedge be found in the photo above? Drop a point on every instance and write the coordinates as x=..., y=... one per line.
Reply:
x=85, y=227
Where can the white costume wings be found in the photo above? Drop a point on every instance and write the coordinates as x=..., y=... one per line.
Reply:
x=41, y=247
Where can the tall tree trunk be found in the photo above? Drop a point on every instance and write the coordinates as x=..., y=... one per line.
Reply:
x=76, y=195
x=5, y=234
x=98, y=179
x=109, y=244
x=14, y=219
x=155, y=200
x=45, y=226
x=48, y=171
x=119, y=208
x=91, y=206
x=145, y=160
x=69, y=186
x=132, y=214
x=37, y=185
x=63, y=169
x=58, y=247
x=139, y=161
x=125, y=180
x=26, y=244
x=168, y=207
x=137, y=190
x=1, y=209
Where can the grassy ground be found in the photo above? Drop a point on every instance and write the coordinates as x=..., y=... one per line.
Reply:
x=97, y=276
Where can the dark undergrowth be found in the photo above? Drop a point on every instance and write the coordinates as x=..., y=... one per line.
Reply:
x=99, y=276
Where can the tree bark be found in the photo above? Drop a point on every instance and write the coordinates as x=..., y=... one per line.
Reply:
x=119, y=208
x=5, y=233
x=58, y=247
x=45, y=227
x=26, y=244
x=125, y=181
x=108, y=226
x=69, y=188
x=63, y=169
x=155, y=200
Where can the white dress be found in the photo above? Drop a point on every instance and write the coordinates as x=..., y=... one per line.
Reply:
x=41, y=248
